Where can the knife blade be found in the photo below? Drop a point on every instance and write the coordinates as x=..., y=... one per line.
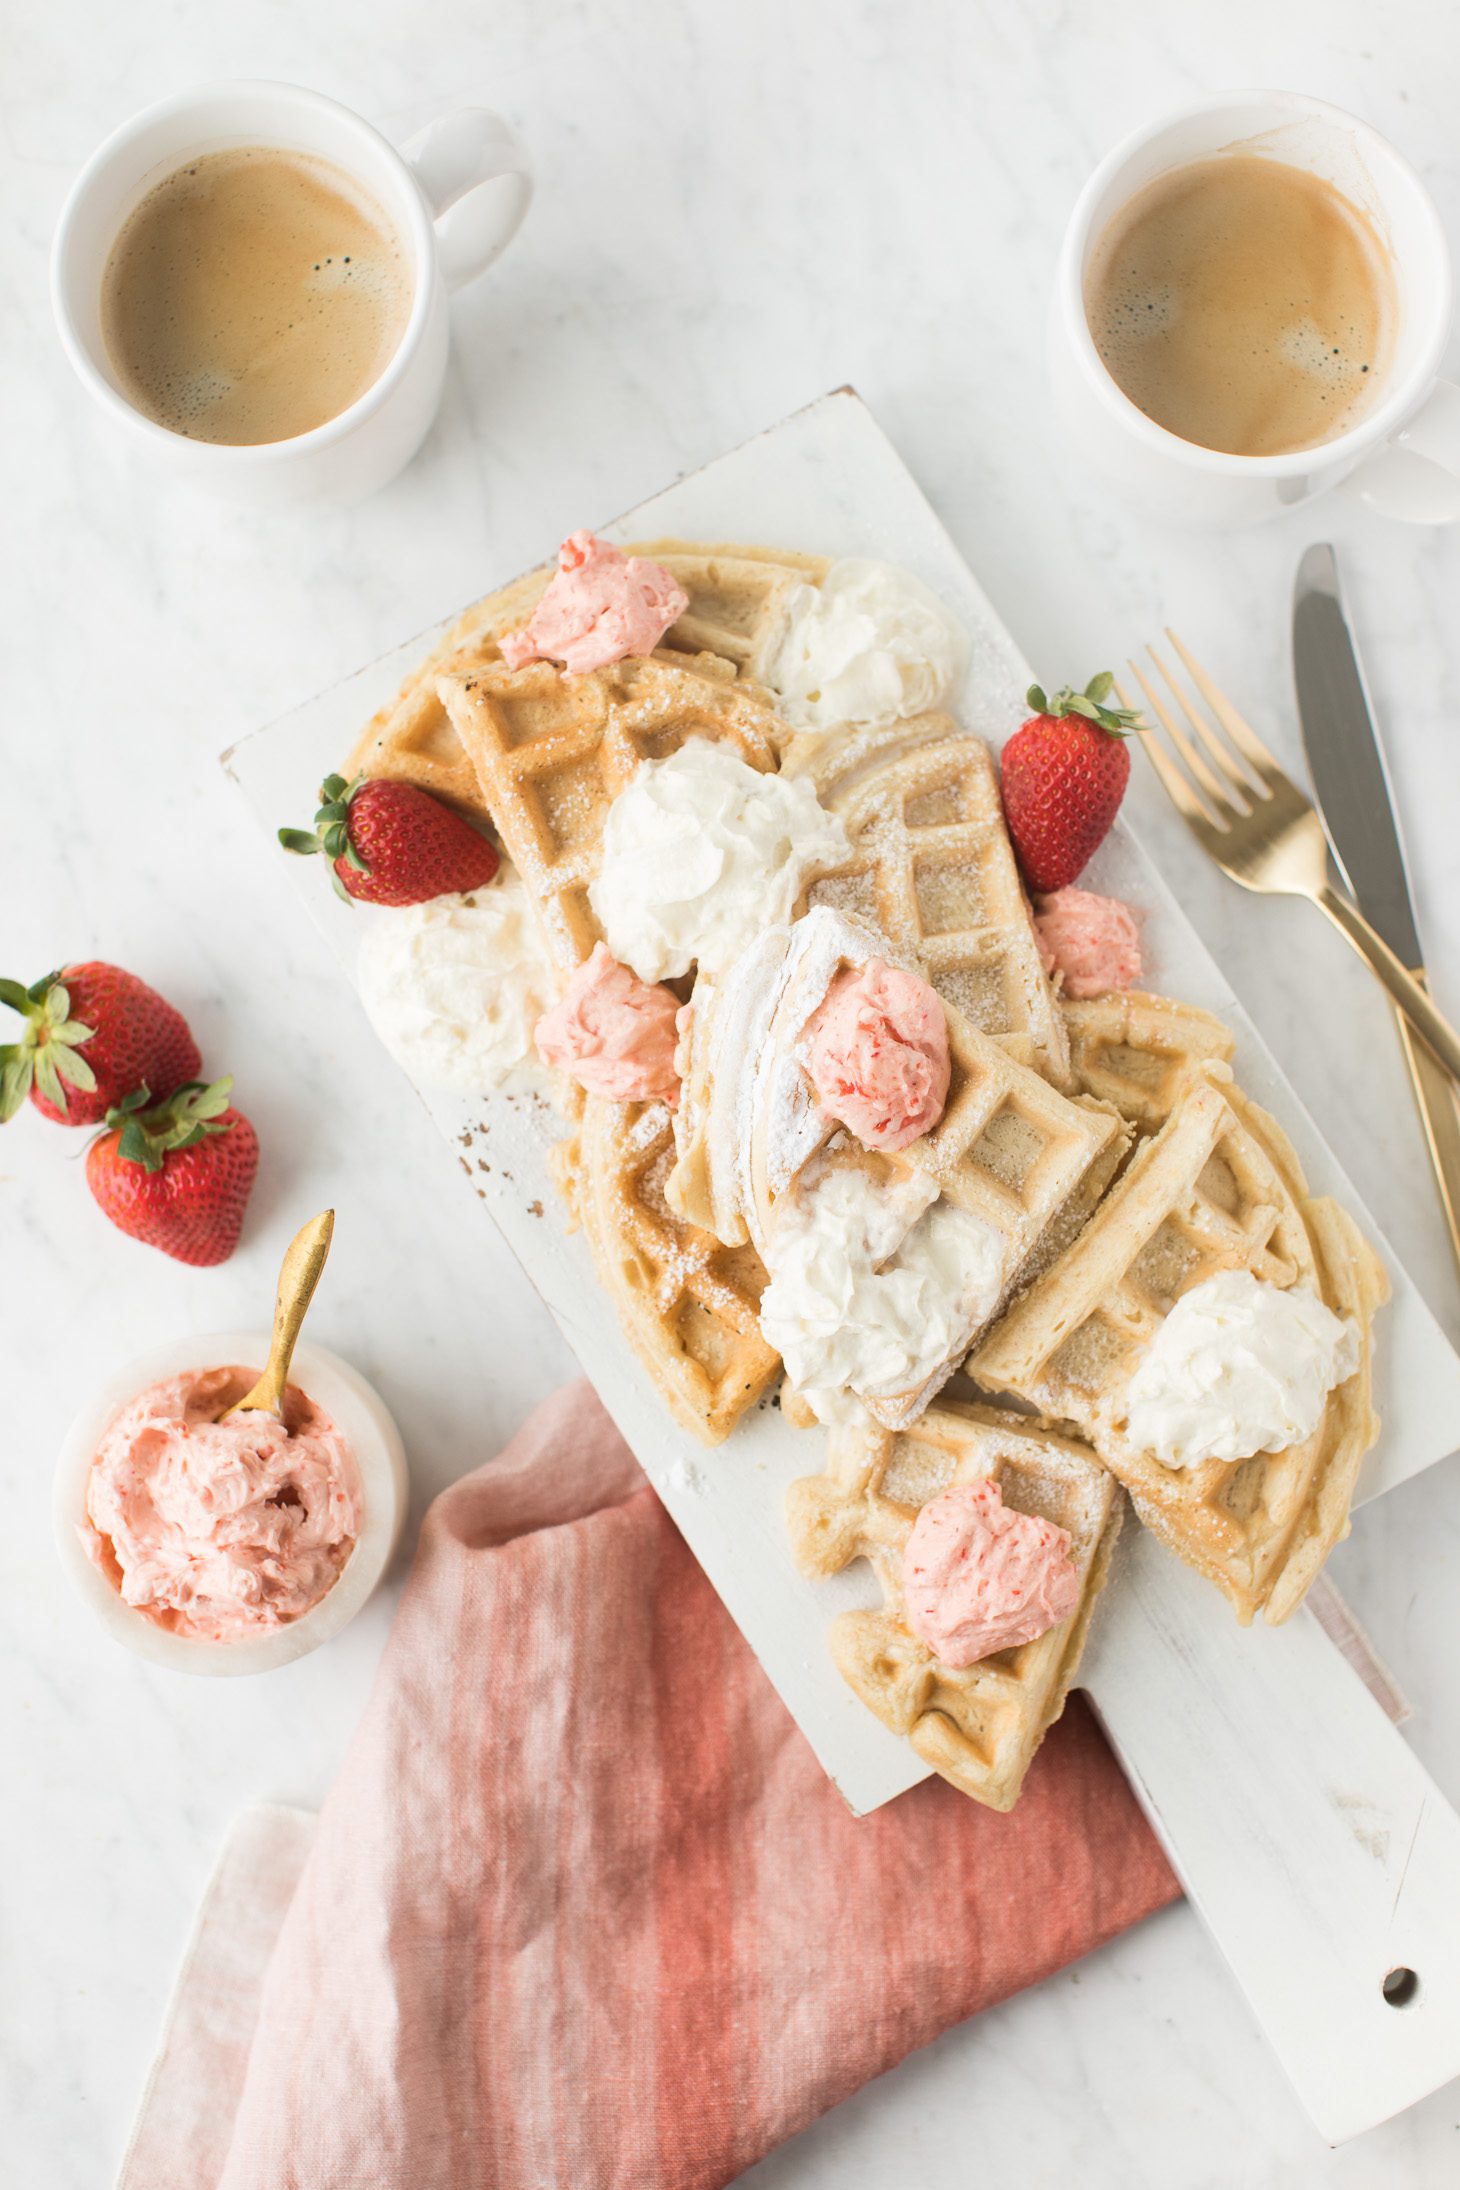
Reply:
x=1346, y=757
x=1351, y=777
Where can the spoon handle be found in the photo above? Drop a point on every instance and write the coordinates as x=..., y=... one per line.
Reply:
x=304, y=1259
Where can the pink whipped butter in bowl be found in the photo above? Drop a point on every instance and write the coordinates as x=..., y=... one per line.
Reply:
x=229, y=1547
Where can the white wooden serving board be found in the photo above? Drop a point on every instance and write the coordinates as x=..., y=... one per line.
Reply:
x=1305, y=1832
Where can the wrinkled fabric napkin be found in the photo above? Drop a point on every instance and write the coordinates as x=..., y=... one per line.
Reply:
x=583, y=1910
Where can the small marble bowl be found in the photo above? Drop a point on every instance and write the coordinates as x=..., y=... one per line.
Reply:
x=357, y=1411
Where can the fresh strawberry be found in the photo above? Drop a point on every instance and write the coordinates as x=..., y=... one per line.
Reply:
x=1064, y=775
x=178, y=1175
x=93, y=1035
x=391, y=844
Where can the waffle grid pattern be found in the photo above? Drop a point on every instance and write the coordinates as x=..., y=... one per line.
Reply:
x=552, y=752
x=979, y=1725
x=932, y=867
x=1138, y=1051
x=689, y=1305
x=1218, y=1188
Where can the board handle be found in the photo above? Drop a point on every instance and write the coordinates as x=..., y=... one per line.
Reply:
x=1314, y=1846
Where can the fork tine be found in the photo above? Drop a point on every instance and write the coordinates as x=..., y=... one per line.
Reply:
x=1237, y=777
x=1218, y=793
x=1241, y=732
x=1176, y=785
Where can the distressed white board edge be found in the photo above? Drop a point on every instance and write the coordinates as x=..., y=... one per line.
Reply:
x=1310, y=1839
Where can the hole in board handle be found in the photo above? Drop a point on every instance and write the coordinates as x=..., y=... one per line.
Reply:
x=1401, y=1987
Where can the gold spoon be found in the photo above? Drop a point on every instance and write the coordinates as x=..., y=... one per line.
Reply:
x=304, y=1259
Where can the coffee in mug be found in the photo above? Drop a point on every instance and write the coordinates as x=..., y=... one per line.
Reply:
x=253, y=295
x=1245, y=305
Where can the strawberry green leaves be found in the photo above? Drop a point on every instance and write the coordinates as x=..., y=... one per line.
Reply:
x=331, y=831
x=48, y=1053
x=148, y=1136
x=1090, y=703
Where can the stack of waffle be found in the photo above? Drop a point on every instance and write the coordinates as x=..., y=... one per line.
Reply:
x=1106, y=1142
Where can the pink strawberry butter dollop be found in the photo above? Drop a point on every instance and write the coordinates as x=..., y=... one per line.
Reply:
x=600, y=606
x=978, y=1577
x=1092, y=942
x=877, y=1054
x=613, y=1033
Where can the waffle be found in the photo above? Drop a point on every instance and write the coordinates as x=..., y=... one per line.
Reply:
x=1137, y=1051
x=932, y=867
x=688, y=1305
x=980, y=1725
x=738, y=598
x=411, y=739
x=737, y=606
x=1009, y=1148
x=1218, y=1188
x=551, y=752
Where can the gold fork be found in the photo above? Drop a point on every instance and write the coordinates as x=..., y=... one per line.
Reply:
x=1261, y=830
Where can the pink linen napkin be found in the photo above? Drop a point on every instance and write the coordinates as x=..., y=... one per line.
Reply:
x=583, y=1909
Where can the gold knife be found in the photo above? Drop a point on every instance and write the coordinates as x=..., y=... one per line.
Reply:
x=1352, y=781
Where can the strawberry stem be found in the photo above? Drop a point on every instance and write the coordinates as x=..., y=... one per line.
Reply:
x=1090, y=703
x=48, y=1053
x=331, y=831
x=148, y=1136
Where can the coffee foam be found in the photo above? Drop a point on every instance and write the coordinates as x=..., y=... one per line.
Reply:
x=253, y=295
x=1245, y=305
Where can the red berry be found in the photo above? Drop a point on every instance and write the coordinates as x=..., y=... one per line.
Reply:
x=93, y=1035
x=391, y=844
x=177, y=1176
x=1063, y=775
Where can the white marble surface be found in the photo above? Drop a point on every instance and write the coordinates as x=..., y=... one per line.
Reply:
x=740, y=207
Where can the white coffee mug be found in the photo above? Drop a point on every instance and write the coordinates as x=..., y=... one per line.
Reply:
x=456, y=194
x=1403, y=457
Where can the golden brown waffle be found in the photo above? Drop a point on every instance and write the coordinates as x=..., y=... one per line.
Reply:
x=551, y=753
x=1137, y=1051
x=688, y=1305
x=1218, y=1188
x=932, y=867
x=411, y=740
x=737, y=598
x=1009, y=1149
x=979, y=1725
x=737, y=606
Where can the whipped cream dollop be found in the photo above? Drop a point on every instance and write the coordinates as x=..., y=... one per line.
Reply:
x=221, y=1530
x=979, y=1577
x=1091, y=942
x=600, y=605
x=870, y=644
x=613, y=1033
x=455, y=986
x=877, y=1054
x=1238, y=1367
x=700, y=853
x=875, y=1285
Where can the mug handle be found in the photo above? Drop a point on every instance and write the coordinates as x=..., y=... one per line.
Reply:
x=477, y=178
x=1416, y=476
